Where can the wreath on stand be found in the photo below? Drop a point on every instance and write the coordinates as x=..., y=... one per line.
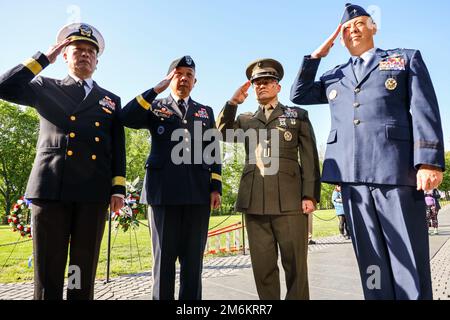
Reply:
x=20, y=217
x=126, y=217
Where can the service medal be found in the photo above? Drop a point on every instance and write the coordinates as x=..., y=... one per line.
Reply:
x=391, y=84
x=288, y=136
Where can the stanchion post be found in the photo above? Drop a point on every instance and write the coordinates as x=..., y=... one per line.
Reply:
x=108, y=262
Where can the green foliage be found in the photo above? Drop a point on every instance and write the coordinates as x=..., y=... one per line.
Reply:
x=232, y=168
x=18, y=137
x=138, y=149
x=445, y=186
x=325, y=198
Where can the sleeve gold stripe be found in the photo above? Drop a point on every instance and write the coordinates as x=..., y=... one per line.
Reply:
x=215, y=176
x=144, y=104
x=119, y=181
x=33, y=65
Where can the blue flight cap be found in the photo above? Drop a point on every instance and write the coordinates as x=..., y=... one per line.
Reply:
x=353, y=11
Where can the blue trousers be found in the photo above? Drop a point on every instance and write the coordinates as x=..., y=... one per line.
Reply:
x=390, y=238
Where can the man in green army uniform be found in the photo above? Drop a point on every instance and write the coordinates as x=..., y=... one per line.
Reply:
x=276, y=204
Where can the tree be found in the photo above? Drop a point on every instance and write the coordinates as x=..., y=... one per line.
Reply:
x=233, y=165
x=18, y=137
x=325, y=196
x=137, y=148
x=445, y=186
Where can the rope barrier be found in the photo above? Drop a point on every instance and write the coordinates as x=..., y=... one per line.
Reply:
x=221, y=223
x=325, y=220
x=14, y=243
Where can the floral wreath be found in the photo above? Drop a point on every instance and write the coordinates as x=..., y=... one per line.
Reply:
x=125, y=218
x=20, y=216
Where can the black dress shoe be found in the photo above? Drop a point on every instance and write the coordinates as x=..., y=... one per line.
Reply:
x=311, y=242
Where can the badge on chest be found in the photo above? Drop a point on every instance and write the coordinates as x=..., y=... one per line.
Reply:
x=163, y=113
x=202, y=114
x=108, y=105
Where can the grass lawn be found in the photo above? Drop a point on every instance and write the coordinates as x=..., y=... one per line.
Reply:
x=124, y=256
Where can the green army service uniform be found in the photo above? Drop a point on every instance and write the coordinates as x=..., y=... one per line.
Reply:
x=272, y=203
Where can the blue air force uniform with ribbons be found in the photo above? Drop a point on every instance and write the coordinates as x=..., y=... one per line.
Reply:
x=79, y=165
x=177, y=190
x=385, y=125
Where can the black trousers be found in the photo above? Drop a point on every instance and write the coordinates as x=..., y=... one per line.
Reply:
x=343, y=226
x=55, y=226
x=178, y=232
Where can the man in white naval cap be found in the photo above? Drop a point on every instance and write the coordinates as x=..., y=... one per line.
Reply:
x=79, y=170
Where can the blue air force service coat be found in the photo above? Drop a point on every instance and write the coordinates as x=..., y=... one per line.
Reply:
x=385, y=126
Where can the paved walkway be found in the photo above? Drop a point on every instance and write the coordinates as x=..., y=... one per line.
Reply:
x=333, y=274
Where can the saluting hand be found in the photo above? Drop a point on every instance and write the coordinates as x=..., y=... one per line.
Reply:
x=241, y=94
x=325, y=48
x=163, y=85
x=55, y=51
x=429, y=178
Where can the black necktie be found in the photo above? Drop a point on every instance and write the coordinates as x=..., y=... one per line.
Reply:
x=182, y=107
x=80, y=92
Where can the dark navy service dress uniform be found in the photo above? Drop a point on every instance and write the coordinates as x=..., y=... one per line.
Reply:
x=79, y=165
x=178, y=193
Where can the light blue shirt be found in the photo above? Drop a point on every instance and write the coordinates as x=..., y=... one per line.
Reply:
x=366, y=56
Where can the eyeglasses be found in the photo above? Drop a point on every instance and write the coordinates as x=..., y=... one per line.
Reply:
x=264, y=82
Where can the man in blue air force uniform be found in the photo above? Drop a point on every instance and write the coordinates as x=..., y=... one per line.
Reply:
x=385, y=145
x=181, y=185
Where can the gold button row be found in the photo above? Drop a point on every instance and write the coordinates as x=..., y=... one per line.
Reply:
x=70, y=154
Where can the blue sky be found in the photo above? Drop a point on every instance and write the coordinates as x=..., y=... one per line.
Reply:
x=144, y=37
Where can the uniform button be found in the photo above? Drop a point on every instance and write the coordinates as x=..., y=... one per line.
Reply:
x=70, y=153
x=357, y=90
x=188, y=150
x=97, y=124
x=187, y=139
x=97, y=139
x=73, y=118
x=72, y=135
x=356, y=105
x=94, y=157
x=357, y=122
x=185, y=121
x=186, y=131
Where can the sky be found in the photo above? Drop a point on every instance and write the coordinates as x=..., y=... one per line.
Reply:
x=223, y=37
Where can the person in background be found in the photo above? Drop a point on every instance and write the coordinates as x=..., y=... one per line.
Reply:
x=432, y=201
x=339, y=207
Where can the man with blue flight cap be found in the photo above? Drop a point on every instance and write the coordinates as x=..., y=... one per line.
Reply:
x=385, y=146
